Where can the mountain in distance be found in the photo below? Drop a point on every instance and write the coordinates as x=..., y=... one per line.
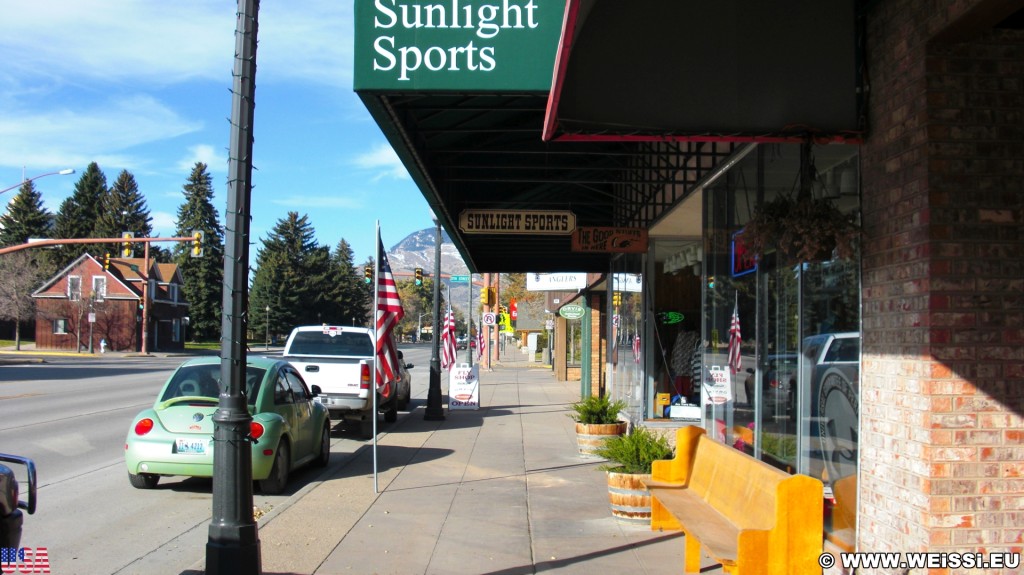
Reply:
x=417, y=251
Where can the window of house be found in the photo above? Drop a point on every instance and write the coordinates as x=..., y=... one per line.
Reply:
x=172, y=290
x=99, y=287
x=176, y=329
x=60, y=326
x=74, y=288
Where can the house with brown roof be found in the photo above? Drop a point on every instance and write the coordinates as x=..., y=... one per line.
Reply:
x=85, y=303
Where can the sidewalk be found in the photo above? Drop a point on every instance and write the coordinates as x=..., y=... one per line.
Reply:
x=501, y=490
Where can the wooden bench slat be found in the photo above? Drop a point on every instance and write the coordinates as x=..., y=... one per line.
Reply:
x=702, y=521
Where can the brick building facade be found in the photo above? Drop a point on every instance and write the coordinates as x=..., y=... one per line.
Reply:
x=942, y=464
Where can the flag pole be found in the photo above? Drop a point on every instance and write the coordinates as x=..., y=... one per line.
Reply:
x=376, y=356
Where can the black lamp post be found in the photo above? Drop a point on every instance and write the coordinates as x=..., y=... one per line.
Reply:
x=434, y=410
x=233, y=544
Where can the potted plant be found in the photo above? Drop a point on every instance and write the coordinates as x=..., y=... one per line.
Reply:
x=630, y=457
x=801, y=229
x=597, y=418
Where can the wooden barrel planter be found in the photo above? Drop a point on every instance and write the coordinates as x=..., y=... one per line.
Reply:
x=630, y=500
x=590, y=436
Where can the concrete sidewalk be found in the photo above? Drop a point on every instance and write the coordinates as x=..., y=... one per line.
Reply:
x=499, y=490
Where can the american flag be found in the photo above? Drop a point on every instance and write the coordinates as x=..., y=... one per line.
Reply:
x=448, y=339
x=480, y=343
x=735, y=361
x=636, y=348
x=389, y=313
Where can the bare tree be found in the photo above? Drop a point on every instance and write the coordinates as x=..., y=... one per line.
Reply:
x=20, y=275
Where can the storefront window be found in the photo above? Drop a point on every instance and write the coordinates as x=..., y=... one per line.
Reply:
x=781, y=346
x=627, y=345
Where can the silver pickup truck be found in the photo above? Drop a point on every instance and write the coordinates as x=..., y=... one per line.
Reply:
x=339, y=359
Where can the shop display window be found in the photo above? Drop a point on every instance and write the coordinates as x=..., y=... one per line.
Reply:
x=780, y=336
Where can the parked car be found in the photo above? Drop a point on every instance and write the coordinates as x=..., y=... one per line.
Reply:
x=461, y=342
x=832, y=366
x=404, y=391
x=175, y=435
x=340, y=360
x=778, y=385
x=11, y=504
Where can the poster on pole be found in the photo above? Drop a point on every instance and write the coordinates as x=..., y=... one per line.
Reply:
x=464, y=387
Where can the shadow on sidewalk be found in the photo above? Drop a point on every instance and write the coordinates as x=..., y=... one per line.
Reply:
x=555, y=564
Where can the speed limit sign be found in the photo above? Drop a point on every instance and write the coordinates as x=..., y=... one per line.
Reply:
x=490, y=319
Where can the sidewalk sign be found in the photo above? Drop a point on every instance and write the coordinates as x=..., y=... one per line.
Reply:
x=464, y=387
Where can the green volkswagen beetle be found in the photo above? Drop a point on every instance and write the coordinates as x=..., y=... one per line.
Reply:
x=175, y=436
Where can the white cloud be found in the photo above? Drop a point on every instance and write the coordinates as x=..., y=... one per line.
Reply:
x=383, y=160
x=75, y=137
x=215, y=158
x=163, y=223
x=163, y=43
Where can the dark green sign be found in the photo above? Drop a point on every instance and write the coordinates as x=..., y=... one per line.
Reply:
x=456, y=45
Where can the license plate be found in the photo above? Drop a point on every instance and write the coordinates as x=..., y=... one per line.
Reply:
x=191, y=446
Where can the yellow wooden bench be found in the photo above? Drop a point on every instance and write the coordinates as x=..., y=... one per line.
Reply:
x=749, y=516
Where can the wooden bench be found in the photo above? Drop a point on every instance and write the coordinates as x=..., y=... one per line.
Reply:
x=749, y=516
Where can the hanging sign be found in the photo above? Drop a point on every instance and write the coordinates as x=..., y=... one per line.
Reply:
x=571, y=311
x=464, y=387
x=532, y=222
x=610, y=240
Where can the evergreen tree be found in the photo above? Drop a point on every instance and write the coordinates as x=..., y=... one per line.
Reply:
x=25, y=217
x=203, y=276
x=78, y=214
x=123, y=209
x=350, y=292
x=289, y=279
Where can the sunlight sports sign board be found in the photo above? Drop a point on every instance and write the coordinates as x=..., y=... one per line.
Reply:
x=446, y=45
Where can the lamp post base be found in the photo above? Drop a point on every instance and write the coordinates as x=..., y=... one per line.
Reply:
x=435, y=412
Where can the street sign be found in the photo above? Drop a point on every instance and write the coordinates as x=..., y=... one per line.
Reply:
x=490, y=319
x=457, y=279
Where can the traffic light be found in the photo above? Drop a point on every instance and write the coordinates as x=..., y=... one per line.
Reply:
x=487, y=296
x=197, y=244
x=368, y=274
x=106, y=261
x=617, y=299
x=418, y=275
x=126, y=247
x=711, y=282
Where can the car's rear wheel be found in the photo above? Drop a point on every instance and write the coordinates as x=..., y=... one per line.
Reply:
x=143, y=480
x=391, y=415
x=325, y=447
x=278, y=478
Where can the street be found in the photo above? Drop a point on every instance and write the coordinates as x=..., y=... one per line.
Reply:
x=71, y=416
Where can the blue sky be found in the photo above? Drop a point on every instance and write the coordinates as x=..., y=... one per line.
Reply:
x=144, y=86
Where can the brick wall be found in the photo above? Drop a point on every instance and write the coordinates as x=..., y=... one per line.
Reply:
x=943, y=277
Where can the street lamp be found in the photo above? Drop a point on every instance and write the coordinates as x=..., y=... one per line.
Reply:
x=66, y=172
x=419, y=326
x=267, y=346
x=434, y=410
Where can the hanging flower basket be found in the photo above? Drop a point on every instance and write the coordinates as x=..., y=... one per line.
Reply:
x=801, y=230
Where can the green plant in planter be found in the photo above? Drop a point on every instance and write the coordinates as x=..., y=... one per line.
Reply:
x=597, y=410
x=634, y=452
